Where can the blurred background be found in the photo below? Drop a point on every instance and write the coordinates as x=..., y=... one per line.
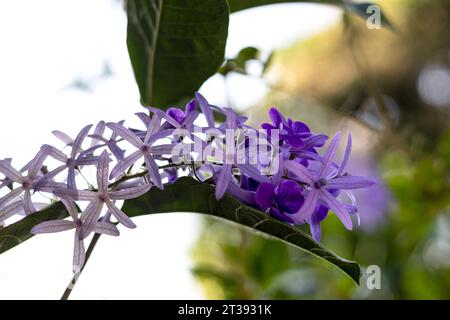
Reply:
x=65, y=64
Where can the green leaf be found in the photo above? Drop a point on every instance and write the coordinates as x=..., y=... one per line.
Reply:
x=189, y=195
x=20, y=231
x=238, y=63
x=174, y=46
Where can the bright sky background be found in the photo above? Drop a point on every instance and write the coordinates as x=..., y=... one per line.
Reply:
x=46, y=45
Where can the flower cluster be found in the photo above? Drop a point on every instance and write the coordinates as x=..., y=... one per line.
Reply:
x=277, y=169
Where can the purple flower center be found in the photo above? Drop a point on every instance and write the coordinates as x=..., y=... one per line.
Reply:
x=78, y=223
x=103, y=197
x=321, y=183
x=145, y=148
x=71, y=162
x=26, y=184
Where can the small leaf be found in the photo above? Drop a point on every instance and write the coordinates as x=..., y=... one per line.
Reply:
x=174, y=46
x=238, y=63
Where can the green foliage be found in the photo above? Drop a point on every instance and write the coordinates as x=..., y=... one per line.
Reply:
x=174, y=46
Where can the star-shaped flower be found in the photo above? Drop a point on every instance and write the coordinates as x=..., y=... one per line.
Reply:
x=76, y=223
x=27, y=182
x=326, y=179
x=97, y=199
x=71, y=162
x=146, y=149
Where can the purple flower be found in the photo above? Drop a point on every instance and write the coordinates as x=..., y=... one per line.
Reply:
x=27, y=182
x=281, y=200
x=324, y=181
x=71, y=162
x=77, y=224
x=291, y=132
x=111, y=142
x=102, y=197
x=145, y=149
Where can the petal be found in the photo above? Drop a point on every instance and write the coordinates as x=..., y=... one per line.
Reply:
x=241, y=194
x=106, y=228
x=10, y=196
x=10, y=210
x=165, y=116
x=71, y=184
x=125, y=133
x=36, y=164
x=79, y=254
x=308, y=207
x=76, y=147
x=289, y=196
x=28, y=205
x=89, y=218
x=163, y=149
x=349, y=183
x=276, y=117
x=63, y=137
x=54, y=153
x=71, y=208
x=52, y=226
x=87, y=160
x=10, y=172
x=315, y=141
x=123, y=165
x=116, y=151
x=130, y=193
x=223, y=180
x=348, y=148
x=205, y=108
x=48, y=177
x=144, y=118
x=316, y=230
x=300, y=171
x=329, y=154
x=98, y=132
x=102, y=172
x=265, y=196
x=252, y=172
x=159, y=135
x=338, y=208
x=120, y=216
x=153, y=172
x=81, y=195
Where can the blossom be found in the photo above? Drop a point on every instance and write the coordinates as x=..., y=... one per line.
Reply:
x=145, y=149
x=177, y=118
x=27, y=182
x=280, y=200
x=71, y=162
x=79, y=253
x=97, y=199
x=322, y=182
x=110, y=142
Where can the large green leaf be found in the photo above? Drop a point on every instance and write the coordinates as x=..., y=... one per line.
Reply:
x=174, y=46
x=20, y=231
x=189, y=195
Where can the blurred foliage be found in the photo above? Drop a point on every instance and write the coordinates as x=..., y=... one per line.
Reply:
x=334, y=80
